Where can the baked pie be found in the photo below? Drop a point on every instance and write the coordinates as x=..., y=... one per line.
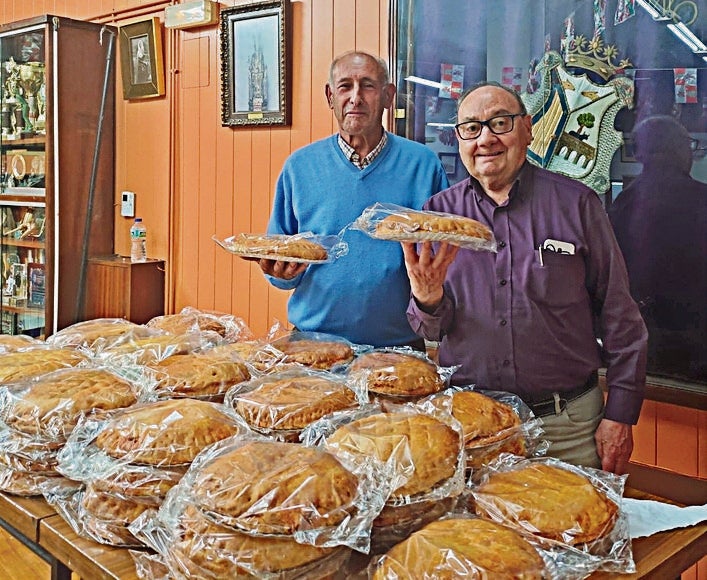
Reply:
x=462, y=548
x=397, y=374
x=422, y=225
x=549, y=501
x=16, y=366
x=318, y=354
x=269, y=487
x=277, y=247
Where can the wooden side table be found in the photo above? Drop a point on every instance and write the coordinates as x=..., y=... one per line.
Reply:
x=119, y=288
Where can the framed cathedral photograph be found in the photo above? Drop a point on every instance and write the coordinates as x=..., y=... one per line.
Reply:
x=141, y=59
x=255, y=64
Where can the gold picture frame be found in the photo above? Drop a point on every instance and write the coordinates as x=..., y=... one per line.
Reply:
x=255, y=64
x=141, y=59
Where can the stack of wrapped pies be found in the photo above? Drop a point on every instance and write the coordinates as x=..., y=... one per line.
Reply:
x=254, y=507
x=205, y=374
x=281, y=405
x=259, y=355
x=425, y=459
x=397, y=373
x=493, y=423
x=40, y=415
x=135, y=458
x=547, y=499
x=462, y=547
x=136, y=348
x=86, y=333
x=314, y=350
x=17, y=342
x=189, y=319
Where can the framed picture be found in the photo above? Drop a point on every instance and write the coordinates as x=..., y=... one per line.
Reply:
x=37, y=287
x=255, y=64
x=449, y=162
x=141, y=59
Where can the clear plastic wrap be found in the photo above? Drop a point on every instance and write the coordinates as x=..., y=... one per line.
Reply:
x=462, y=546
x=260, y=356
x=190, y=319
x=493, y=422
x=316, y=350
x=305, y=247
x=206, y=374
x=260, y=487
x=388, y=221
x=398, y=373
x=574, y=512
x=50, y=405
x=18, y=342
x=20, y=365
x=29, y=483
x=281, y=404
x=85, y=333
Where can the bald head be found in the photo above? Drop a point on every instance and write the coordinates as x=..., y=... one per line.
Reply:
x=661, y=140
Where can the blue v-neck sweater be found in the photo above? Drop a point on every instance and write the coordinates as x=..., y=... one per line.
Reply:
x=363, y=295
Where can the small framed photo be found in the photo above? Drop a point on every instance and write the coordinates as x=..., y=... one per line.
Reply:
x=37, y=284
x=141, y=59
x=449, y=162
x=255, y=64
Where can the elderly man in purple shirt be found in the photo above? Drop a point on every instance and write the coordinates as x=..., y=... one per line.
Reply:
x=526, y=319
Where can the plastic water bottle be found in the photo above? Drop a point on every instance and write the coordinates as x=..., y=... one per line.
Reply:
x=138, y=241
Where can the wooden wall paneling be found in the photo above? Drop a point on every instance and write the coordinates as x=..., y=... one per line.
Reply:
x=344, y=26
x=321, y=41
x=209, y=121
x=189, y=271
x=644, y=435
x=368, y=27
x=677, y=435
x=242, y=164
x=702, y=451
x=304, y=87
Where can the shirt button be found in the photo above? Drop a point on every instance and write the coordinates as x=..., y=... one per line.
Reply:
x=506, y=362
x=504, y=322
x=504, y=282
x=501, y=244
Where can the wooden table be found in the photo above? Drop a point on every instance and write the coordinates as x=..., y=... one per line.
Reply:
x=662, y=555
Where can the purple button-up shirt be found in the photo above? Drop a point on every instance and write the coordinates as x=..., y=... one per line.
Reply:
x=526, y=320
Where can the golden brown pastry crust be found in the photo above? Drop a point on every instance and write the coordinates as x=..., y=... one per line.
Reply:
x=146, y=350
x=483, y=419
x=398, y=374
x=318, y=354
x=52, y=405
x=89, y=331
x=16, y=366
x=550, y=501
x=434, y=445
x=411, y=223
x=198, y=374
x=222, y=552
x=303, y=488
x=185, y=322
x=280, y=246
x=293, y=402
x=107, y=517
x=468, y=548
x=170, y=432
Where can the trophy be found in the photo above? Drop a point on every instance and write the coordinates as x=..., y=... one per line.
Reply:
x=31, y=80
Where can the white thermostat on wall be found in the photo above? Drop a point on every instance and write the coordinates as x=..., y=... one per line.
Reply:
x=127, y=204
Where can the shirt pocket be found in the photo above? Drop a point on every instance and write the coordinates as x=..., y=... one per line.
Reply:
x=558, y=281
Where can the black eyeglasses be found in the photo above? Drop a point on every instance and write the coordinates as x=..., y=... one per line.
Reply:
x=498, y=125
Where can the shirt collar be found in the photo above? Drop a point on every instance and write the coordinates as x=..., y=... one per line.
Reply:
x=350, y=153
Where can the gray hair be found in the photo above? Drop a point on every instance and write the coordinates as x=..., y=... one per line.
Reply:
x=383, y=74
x=510, y=91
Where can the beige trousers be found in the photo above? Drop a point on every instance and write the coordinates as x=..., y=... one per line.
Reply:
x=571, y=431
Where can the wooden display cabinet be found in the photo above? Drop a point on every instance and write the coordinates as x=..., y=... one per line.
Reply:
x=57, y=117
x=119, y=288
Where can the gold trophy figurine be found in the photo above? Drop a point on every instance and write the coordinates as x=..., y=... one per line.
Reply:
x=31, y=79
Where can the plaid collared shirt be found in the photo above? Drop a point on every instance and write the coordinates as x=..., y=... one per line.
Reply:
x=355, y=158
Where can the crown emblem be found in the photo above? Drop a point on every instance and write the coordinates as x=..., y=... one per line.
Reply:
x=593, y=55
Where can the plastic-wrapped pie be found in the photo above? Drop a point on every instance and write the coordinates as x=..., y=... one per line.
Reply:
x=204, y=549
x=397, y=374
x=185, y=322
x=170, y=432
x=314, y=353
x=51, y=405
x=462, y=548
x=268, y=487
x=201, y=374
x=296, y=248
x=432, y=445
x=87, y=332
x=546, y=500
x=291, y=400
x=15, y=342
x=16, y=366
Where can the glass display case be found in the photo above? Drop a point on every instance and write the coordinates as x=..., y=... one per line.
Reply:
x=57, y=112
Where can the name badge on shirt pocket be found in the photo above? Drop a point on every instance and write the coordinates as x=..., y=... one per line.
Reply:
x=558, y=247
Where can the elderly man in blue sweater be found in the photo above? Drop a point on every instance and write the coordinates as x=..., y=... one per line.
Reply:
x=325, y=186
